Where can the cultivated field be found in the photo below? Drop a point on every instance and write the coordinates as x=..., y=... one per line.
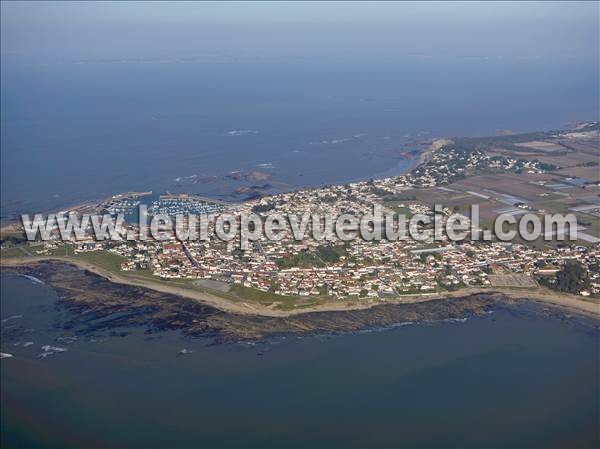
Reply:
x=572, y=185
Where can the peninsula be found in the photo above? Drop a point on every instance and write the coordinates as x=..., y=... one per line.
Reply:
x=537, y=172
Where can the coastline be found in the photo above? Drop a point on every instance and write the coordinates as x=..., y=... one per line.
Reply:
x=91, y=205
x=238, y=304
x=545, y=296
x=435, y=145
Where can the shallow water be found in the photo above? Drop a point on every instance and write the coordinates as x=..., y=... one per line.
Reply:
x=506, y=379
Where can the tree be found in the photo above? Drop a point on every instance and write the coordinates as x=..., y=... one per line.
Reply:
x=572, y=278
x=261, y=208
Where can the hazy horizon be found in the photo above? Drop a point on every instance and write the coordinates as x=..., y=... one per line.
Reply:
x=51, y=32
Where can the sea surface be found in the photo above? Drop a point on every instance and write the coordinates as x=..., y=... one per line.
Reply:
x=76, y=131
x=512, y=378
x=72, y=132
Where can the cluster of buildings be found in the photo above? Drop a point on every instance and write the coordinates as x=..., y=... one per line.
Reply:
x=327, y=266
x=360, y=268
x=451, y=163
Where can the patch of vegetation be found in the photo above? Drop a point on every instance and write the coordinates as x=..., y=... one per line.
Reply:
x=331, y=254
x=267, y=298
x=262, y=208
x=307, y=259
x=12, y=252
x=399, y=198
x=303, y=259
x=103, y=259
x=328, y=199
x=572, y=278
x=254, y=294
x=382, y=193
x=404, y=211
x=546, y=167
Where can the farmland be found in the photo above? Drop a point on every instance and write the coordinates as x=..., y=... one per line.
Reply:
x=569, y=185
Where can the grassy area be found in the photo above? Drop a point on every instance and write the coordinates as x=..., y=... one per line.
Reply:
x=306, y=259
x=236, y=294
x=402, y=210
x=257, y=295
x=15, y=251
x=267, y=298
x=331, y=254
x=62, y=251
x=102, y=259
x=303, y=259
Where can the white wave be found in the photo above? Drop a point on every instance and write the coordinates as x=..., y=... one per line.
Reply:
x=338, y=141
x=185, y=178
x=386, y=328
x=67, y=339
x=49, y=350
x=33, y=279
x=5, y=355
x=454, y=320
x=241, y=132
x=13, y=317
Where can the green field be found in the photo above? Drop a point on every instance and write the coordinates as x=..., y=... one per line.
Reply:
x=102, y=259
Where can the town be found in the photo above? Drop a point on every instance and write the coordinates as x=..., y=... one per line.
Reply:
x=330, y=268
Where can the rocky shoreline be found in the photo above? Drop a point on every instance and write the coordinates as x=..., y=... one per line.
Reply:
x=99, y=305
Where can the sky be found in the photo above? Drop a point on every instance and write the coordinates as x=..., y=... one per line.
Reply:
x=57, y=32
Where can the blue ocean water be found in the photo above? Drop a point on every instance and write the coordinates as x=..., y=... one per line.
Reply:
x=72, y=132
x=512, y=378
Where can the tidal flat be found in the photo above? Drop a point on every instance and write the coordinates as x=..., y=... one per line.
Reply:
x=96, y=364
x=99, y=305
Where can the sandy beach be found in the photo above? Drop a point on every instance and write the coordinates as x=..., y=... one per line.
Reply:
x=565, y=301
